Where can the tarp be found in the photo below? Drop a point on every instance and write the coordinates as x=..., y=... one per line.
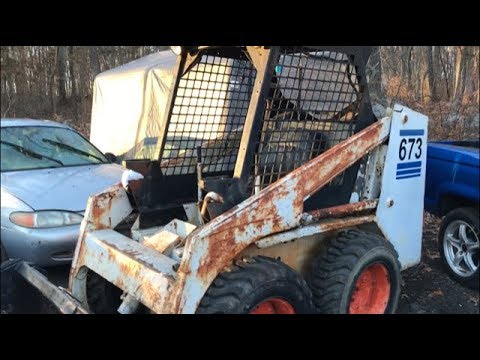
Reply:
x=129, y=105
x=129, y=102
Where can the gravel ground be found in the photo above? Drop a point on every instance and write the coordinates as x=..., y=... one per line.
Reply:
x=426, y=288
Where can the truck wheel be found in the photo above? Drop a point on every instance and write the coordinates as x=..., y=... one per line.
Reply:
x=459, y=245
x=356, y=273
x=259, y=286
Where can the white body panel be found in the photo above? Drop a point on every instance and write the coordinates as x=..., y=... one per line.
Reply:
x=400, y=209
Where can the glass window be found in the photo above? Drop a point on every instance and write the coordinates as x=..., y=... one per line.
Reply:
x=38, y=147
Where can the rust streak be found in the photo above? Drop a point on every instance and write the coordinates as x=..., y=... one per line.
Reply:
x=102, y=205
x=343, y=210
x=305, y=180
x=347, y=222
x=276, y=208
x=335, y=160
x=140, y=166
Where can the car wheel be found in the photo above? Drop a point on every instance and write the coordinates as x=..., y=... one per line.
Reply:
x=459, y=245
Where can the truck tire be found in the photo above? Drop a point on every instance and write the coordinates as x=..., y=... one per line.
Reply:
x=458, y=241
x=261, y=285
x=356, y=273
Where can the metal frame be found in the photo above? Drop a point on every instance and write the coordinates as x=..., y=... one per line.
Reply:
x=179, y=66
x=169, y=268
x=168, y=287
x=14, y=270
x=264, y=63
x=277, y=208
x=234, y=188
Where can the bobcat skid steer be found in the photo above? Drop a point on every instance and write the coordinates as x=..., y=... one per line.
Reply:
x=276, y=190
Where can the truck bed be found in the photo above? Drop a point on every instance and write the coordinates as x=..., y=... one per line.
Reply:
x=452, y=172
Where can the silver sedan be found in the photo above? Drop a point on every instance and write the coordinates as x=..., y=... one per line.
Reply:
x=48, y=171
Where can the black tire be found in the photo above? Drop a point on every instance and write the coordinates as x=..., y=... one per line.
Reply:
x=102, y=296
x=18, y=296
x=471, y=217
x=251, y=282
x=342, y=260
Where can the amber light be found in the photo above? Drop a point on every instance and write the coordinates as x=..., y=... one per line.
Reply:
x=23, y=219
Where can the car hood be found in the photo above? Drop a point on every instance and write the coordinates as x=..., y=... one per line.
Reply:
x=65, y=188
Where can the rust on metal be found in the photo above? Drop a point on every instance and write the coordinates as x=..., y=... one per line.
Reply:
x=138, y=270
x=321, y=170
x=277, y=208
x=100, y=209
x=104, y=210
x=314, y=229
x=298, y=247
x=140, y=166
x=338, y=224
x=343, y=210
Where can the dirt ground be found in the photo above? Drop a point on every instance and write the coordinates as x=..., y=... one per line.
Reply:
x=426, y=289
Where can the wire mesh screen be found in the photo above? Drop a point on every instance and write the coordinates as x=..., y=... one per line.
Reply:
x=313, y=105
x=209, y=111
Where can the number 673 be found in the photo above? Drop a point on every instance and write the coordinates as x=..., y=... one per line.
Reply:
x=406, y=147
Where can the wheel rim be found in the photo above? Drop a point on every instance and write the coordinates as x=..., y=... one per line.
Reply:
x=273, y=306
x=460, y=246
x=372, y=291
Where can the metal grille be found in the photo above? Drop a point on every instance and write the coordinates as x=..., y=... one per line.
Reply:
x=209, y=111
x=313, y=105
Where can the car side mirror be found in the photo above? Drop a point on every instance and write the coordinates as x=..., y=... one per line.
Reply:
x=110, y=157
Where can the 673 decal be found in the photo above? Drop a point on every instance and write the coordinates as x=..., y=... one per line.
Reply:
x=409, y=153
x=411, y=146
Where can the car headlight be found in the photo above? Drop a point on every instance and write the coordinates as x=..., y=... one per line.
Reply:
x=45, y=219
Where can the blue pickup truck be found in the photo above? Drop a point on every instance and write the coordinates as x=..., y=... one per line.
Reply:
x=452, y=191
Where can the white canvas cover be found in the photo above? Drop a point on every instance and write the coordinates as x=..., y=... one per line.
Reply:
x=129, y=105
x=129, y=102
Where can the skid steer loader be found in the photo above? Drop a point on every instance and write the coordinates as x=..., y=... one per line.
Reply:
x=280, y=193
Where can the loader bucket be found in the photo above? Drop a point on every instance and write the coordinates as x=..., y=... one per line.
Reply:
x=25, y=289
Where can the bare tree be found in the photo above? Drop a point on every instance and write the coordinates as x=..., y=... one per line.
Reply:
x=460, y=63
x=375, y=79
x=56, y=82
x=431, y=74
x=94, y=63
x=62, y=73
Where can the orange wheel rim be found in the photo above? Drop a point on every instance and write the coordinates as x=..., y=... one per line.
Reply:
x=273, y=306
x=372, y=291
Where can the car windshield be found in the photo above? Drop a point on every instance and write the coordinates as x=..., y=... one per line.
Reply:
x=39, y=147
